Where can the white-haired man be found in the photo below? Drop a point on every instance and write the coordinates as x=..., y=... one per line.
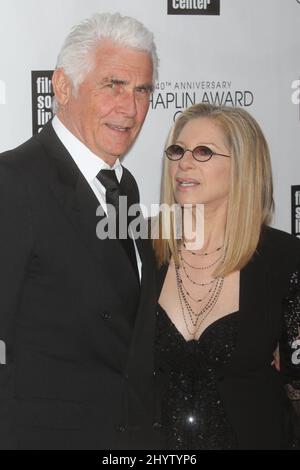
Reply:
x=77, y=312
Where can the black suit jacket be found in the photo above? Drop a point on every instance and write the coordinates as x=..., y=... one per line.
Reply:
x=252, y=390
x=78, y=327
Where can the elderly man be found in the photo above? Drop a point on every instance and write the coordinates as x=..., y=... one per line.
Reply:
x=77, y=312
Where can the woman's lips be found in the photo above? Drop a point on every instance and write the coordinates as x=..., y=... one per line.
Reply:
x=186, y=184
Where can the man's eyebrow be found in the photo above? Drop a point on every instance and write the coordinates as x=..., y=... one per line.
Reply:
x=146, y=86
x=114, y=80
x=119, y=81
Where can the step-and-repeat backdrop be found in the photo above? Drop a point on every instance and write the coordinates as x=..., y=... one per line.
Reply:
x=234, y=52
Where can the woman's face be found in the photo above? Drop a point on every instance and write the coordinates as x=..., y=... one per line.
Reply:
x=201, y=182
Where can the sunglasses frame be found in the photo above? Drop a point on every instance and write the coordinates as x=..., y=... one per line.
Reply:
x=192, y=152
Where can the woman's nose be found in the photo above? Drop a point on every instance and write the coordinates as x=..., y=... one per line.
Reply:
x=187, y=161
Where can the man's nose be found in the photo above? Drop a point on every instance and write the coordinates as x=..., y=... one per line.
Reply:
x=127, y=103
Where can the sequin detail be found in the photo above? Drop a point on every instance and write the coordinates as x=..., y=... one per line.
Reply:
x=193, y=416
x=290, y=352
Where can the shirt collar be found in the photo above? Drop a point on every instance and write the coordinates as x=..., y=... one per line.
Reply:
x=88, y=162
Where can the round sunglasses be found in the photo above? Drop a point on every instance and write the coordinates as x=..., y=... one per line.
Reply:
x=201, y=153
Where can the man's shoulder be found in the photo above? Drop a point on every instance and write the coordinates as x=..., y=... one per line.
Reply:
x=28, y=155
x=280, y=241
x=279, y=251
x=21, y=155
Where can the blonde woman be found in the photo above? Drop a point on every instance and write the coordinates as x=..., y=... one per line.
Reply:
x=226, y=307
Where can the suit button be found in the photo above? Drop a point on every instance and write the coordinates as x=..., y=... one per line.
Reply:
x=156, y=426
x=106, y=316
x=158, y=371
x=120, y=428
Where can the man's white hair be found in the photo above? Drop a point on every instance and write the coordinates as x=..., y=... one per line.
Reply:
x=75, y=57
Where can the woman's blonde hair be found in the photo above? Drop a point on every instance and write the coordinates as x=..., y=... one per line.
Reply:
x=250, y=202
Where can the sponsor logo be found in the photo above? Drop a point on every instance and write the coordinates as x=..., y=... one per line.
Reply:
x=178, y=95
x=2, y=353
x=296, y=210
x=193, y=7
x=42, y=95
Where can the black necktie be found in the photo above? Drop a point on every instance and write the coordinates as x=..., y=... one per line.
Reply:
x=110, y=182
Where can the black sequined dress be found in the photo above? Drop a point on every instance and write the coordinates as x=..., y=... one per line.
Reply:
x=193, y=415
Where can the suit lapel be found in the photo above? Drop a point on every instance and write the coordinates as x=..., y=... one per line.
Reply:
x=80, y=204
x=145, y=317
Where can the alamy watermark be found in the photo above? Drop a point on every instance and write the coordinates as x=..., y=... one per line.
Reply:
x=296, y=353
x=2, y=353
x=296, y=92
x=175, y=221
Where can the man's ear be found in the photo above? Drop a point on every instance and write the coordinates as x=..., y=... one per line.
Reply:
x=62, y=87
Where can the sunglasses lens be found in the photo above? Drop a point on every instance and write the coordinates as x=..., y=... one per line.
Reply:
x=202, y=153
x=174, y=152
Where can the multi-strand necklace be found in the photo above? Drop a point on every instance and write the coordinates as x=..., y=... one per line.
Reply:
x=193, y=318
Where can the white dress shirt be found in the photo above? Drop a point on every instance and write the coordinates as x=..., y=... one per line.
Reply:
x=89, y=164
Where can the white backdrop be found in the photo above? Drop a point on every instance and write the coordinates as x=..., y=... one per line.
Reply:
x=252, y=50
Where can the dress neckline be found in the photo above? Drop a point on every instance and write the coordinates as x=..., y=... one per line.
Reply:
x=212, y=325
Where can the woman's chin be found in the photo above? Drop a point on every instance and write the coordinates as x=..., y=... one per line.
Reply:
x=190, y=201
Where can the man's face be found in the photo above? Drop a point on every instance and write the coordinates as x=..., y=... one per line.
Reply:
x=110, y=105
